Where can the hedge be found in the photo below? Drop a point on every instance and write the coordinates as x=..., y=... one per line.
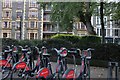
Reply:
x=107, y=52
x=104, y=52
x=83, y=42
x=67, y=37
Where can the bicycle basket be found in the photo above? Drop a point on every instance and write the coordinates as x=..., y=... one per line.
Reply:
x=86, y=53
x=63, y=52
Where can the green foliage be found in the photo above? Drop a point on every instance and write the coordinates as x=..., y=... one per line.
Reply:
x=8, y=41
x=107, y=52
x=25, y=42
x=116, y=15
x=88, y=41
x=79, y=42
x=55, y=43
x=66, y=13
x=67, y=37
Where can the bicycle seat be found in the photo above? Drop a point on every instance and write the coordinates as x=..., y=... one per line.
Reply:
x=86, y=53
x=63, y=52
x=74, y=51
x=24, y=50
x=45, y=52
x=15, y=49
x=46, y=55
x=8, y=51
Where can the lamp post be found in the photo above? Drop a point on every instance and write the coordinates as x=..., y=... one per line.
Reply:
x=23, y=22
x=20, y=27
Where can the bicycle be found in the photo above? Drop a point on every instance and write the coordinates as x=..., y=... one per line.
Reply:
x=71, y=73
x=46, y=71
x=85, y=64
x=26, y=71
x=7, y=62
x=22, y=65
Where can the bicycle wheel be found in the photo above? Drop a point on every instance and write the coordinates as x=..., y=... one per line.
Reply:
x=5, y=72
x=17, y=73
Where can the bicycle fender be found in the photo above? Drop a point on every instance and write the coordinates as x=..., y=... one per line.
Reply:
x=3, y=62
x=69, y=74
x=19, y=65
x=43, y=72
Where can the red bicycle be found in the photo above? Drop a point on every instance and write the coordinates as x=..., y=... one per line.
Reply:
x=7, y=63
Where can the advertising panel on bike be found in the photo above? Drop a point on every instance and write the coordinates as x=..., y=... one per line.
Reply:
x=4, y=63
x=44, y=72
x=20, y=65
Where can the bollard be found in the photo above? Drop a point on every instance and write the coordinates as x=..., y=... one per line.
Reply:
x=111, y=66
x=109, y=71
x=116, y=71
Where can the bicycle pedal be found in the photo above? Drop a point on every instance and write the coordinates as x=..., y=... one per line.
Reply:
x=19, y=75
x=23, y=75
x=32, y=74
x=85, y=75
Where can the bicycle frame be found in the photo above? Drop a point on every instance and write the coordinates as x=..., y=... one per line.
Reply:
x=85, y=64
x=46, y=71
x=6, y=64
x=70, y=73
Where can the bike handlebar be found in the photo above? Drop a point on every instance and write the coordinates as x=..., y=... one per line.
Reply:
x=74, y=51
x=90, y=49
x=62, y=52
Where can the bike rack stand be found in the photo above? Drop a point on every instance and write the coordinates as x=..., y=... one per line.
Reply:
x=113, y=66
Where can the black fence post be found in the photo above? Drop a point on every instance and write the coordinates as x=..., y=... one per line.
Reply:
x=111, y=66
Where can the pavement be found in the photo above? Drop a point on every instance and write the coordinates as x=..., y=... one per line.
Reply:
x=95, y=72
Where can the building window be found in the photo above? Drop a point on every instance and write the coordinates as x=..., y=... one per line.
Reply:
x=4, y=35
x=97, y=31
x=18, y=35
x=97, y=10
x=47, y=27
x=33, y=14
x=116, y=32
x=98, y=20
x=19, y=14
x=31, y=35
x=7, y=3
x=35, y=35
x=48, y=7
x=44, y=27
x=17, y=25
x=5, y=24
x=32, y=24
x=101, y=32
x=6, y=14
x=19, y=4
x=78, y=25
x=32, y=3
x=47, y=17
x=36, y=24
x=105, y=21
x=83, y=26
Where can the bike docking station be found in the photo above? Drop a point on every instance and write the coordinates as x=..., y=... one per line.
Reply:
x=113, y=70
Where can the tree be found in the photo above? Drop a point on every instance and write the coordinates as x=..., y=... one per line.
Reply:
x=102, y=22
x=116, y=13
x=67, y=12
x=113, y=9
